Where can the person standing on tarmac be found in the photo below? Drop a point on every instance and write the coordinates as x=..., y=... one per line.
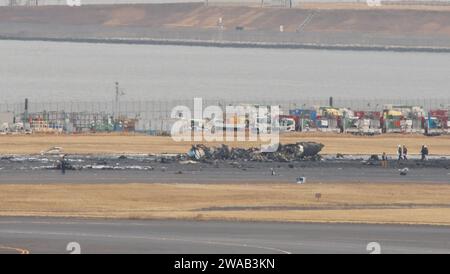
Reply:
x=405, y=153
x=399, y=153
x=63, y=164
x=384, y=160
x=424, y=152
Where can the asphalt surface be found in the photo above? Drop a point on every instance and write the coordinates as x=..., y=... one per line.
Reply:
x=41, y=235
x=227, y=175
x=150, y=169
x=45, y=235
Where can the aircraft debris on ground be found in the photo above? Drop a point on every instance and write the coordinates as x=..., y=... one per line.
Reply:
x=52, y=151
x=404, y=171
x=284, y=153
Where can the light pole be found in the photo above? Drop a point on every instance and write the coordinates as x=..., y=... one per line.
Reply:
x=117, y=100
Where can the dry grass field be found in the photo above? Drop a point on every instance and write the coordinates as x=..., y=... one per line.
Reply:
x=117, y=144
x=340, y=202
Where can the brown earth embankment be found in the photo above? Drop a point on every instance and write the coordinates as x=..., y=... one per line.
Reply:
x=312, y=24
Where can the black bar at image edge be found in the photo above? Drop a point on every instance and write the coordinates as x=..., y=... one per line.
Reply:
x=210, y=263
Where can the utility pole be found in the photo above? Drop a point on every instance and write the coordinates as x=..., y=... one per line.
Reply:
x=25, y=113
x=117, y=93
x=117, y=100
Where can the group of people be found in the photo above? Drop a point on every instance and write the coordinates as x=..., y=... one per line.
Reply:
x=402, y=154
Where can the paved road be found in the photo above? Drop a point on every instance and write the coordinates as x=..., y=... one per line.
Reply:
x=43, y=235
x=261, y=174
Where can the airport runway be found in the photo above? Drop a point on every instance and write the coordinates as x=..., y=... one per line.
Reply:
x=43, y=235
x=150, y=169
x=226, y=173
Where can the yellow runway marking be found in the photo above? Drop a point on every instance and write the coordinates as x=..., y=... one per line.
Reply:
x=19, y=250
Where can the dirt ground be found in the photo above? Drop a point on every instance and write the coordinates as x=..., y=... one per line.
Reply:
x=118, y=144
x=388, y=19
x=339, y=202
x=364, y=6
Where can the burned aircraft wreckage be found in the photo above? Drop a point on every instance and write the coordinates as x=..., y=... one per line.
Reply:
x=283, y=153
x=308, y=151
x=305, y=153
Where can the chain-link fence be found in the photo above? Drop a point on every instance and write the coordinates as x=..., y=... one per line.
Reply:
x=155, y=116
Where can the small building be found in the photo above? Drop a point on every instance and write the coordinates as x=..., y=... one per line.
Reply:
x=306, y=118
x=437, y=122
x=7, y=117
x=403, y=119
x=329, y=119
x=6, y=121
x=363, y=122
